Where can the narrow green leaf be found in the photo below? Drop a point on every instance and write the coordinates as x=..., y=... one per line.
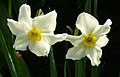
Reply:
x=3, y=22
x=5, y=35
x=88, y=6
x=3, y=26
x=8, y=56
x=2, y=58
x=23, y=68
x=53, y=70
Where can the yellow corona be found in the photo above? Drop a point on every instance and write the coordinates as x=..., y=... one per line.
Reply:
x=34, y=34
x=89, y=40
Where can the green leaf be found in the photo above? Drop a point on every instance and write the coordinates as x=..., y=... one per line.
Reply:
x=22, y=67
x=3, y=22
x=3, y=28
x=67, y=69
x=6, y=38
x=17, y=69
x=88, y=6
x=8, y=56
x=53, y=70
x=2, y=58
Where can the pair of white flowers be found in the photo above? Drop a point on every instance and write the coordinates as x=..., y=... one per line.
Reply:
x=38, y=35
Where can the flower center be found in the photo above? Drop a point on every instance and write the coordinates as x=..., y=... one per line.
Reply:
x=89, y=40
x=34, y=34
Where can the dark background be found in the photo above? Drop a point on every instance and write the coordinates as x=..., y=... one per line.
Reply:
x=67, y=11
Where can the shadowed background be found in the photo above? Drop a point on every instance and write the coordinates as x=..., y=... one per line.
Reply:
x=67, y=12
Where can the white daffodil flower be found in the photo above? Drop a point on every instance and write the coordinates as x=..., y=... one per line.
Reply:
x=91, y=40
x=35, y=33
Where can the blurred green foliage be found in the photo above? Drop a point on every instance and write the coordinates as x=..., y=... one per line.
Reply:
x=7, y=53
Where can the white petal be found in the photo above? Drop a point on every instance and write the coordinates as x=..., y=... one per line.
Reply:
x=14, y=26
x=75, y=40
x=103, y=29
x=52, y=39
x=46, y=23
x=86, y=23
x=76, y=53
x=21, y=42
x=40, y=48
x=108, y=22
x=102, y=41
x=25, y=15
x=94, y=54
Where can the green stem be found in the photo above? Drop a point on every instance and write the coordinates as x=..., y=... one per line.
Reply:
x=79, y=64
x=94, y=71
x=53, y=70
x=10, y=8
x=76, y=32
x=65, y=68
x=95, y=8
x=80, y=68
x=88, y=6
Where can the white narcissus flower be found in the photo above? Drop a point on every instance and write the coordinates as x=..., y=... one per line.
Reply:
x=35, y=33
x=91, y=40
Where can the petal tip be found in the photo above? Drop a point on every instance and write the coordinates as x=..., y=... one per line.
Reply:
x=24, y=5
x=8, y=20
x=54, y=12
x=109, y=22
